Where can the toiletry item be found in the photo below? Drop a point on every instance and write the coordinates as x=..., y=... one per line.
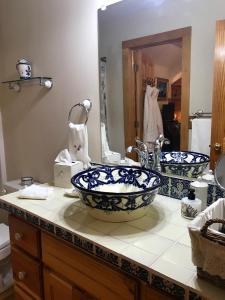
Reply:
x=190, y=206
x=208, y=177
x=201, y=190
x=26, y=181
x=23, y=67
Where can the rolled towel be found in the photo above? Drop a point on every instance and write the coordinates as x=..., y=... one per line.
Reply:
x=35, y=192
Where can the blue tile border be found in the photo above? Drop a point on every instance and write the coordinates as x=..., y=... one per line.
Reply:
x=194, y=296
x=168, y=287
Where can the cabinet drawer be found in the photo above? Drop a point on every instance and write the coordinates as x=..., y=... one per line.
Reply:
x=20, y=294
x=26, y=272
x=25, y=236
x=87, y=273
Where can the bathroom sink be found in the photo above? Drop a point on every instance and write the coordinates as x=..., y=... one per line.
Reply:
x=117, y=193
x=182, y=163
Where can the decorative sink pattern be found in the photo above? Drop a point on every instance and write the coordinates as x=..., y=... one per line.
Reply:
x=182, y=163
x=117, y=193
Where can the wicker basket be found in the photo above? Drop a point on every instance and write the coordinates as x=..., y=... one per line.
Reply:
x=208, y=243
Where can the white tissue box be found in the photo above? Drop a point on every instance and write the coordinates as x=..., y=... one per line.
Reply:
x=64, y=172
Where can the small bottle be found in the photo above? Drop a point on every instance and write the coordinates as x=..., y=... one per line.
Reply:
x=190, y=206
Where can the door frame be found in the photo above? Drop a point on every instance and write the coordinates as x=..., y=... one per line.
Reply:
x=218, y=98
x=128, y=48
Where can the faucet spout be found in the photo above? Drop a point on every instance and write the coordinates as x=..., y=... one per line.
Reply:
x=142, y=151
x=157, y=152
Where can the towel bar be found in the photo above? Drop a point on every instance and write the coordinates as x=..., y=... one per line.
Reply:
x=86, y=104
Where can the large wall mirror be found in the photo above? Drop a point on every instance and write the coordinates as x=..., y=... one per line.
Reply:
x=178, y=58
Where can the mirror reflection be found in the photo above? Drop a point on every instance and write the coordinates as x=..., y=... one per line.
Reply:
x=162, y=69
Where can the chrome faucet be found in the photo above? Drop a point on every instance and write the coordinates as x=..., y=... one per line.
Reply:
x=157, y=152
x=142, y=151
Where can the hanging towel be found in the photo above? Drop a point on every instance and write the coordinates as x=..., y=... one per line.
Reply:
x=78, y=143
x=152, y=126
x=201, y=135
x=108, y=156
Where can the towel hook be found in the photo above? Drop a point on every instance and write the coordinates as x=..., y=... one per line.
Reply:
x=86, y=104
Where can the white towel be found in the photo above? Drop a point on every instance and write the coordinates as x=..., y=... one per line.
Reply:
x=105, y=145
x=35, y=192
x=201, y=135
x=78, y=143
x=152, y=125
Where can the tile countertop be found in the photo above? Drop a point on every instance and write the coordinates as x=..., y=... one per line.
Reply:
x=158, y=242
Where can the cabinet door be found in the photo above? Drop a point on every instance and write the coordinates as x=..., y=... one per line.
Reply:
x=56, y=288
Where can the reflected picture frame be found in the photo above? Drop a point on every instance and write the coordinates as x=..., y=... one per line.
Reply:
x=162, y=86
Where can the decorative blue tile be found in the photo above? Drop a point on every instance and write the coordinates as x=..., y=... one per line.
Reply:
x=211, y=194
x=7, y=207
x=19, y=213
x=135, y=270
x=47, y=226
x=86, y=245
x=165, y=187
x=64, y=234
x=219, y=193
x=108, y=256
x=194, y=296
x=168, y=287
x=32, y=219
x=179, y=188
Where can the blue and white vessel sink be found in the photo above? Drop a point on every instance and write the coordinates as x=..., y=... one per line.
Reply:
x=117, y=193
x=183, y=163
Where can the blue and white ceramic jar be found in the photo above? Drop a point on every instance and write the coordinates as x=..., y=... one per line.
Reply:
x=24, y=68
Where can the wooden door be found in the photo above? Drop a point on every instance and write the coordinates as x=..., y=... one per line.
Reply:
x=143, y=70
x=218, y=103
x=56, y=288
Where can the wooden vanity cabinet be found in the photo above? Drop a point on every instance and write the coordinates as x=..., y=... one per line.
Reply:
x=60, y=271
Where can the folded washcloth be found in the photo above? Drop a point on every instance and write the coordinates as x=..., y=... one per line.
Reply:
x=35, y=192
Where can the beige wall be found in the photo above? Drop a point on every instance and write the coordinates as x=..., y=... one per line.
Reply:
x=60, y=38
x=124, y=21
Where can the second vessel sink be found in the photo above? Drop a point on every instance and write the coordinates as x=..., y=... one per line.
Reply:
x=117, y=193
x=182, y=163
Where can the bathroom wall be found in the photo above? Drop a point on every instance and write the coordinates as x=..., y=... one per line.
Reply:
x=60, y=39
x=123, y=22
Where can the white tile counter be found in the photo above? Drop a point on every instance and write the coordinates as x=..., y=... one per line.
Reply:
x=159, y=242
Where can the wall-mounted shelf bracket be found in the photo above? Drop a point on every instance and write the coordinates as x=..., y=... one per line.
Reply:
x=16, y=84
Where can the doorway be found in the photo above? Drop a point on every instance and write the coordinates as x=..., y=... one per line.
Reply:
x=137, y=69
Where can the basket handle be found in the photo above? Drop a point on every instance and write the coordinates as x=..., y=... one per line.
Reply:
x=212, y=237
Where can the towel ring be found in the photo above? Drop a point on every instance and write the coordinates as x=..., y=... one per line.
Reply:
x=86, y=104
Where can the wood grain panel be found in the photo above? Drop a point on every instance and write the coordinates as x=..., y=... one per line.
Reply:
x=29, y=240
x=129, y=100
x=218, y=103
x=87, y=273
x=20, y=294
x=185, y=92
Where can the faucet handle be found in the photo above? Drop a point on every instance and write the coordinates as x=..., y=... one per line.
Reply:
x=141, y=144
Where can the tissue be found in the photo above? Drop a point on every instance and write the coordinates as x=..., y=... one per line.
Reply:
x=65, y=168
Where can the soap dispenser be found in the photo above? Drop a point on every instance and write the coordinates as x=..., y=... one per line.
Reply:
x=190, y=205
